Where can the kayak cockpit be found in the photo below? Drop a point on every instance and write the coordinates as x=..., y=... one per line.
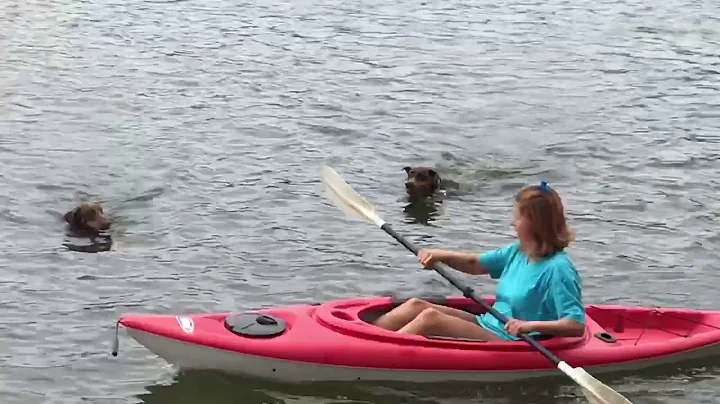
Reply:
x=356, y=317
x=371, y=315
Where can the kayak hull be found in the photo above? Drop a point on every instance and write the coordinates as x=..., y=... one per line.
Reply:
x=307, y=344
x=193, y=357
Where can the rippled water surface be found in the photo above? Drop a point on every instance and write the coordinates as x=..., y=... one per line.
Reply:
x=204, y=126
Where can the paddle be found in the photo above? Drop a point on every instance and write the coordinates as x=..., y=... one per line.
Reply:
x=352, y=204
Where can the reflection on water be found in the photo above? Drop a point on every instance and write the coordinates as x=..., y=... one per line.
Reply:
x=221, y=388
x=423, y=210
x=89, y=244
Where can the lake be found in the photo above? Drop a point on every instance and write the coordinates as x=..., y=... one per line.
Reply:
x=204, y=125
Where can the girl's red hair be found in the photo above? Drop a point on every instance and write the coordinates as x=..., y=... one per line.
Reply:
x=543, y=208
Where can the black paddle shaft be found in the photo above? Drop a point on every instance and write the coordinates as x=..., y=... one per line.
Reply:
x=469, y=292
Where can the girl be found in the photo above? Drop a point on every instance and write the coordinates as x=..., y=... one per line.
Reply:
x=539, y=289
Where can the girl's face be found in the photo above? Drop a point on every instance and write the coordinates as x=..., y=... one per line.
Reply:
x=520, y=224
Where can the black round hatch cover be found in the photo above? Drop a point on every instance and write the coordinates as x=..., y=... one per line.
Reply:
x=254, y=325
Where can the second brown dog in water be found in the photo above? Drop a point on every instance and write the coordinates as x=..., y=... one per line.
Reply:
x=421, y=181
x=88, y=217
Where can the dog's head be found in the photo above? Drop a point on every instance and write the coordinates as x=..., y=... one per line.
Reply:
x=421, y=181
x=89, y=216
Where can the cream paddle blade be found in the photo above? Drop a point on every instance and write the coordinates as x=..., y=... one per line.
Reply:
x=351, y=203
x=595, y=391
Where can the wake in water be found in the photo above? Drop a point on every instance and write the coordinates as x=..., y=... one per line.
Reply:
x=462, y=177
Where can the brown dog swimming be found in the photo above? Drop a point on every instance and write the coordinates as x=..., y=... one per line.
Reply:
x=88, y=217
x=421, y=181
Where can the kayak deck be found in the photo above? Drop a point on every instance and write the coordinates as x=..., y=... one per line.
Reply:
x=336, y=340
x=606, y=325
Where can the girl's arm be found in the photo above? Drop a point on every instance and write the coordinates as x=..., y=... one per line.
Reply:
x=460, y=261
x=490, y=262
x=564, y=327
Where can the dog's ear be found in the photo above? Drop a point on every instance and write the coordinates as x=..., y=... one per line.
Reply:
x=69, y=216
x=74, y=217
x=435, y=177
x=79, y=217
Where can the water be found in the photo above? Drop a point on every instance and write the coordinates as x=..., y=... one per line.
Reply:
x=204, y=126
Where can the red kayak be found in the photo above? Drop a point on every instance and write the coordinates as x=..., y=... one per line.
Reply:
x=335, y=341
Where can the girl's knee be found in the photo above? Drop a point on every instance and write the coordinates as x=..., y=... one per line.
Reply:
x=430, y=316
x=416, y=303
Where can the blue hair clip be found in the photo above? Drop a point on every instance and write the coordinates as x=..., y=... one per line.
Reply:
x=544, y=188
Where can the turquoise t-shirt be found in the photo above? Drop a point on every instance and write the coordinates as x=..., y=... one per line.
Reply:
x=544, y=290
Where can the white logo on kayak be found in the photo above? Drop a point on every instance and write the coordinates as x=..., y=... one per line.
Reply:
x=186, y=323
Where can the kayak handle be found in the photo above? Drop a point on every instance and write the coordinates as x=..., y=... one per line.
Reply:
x=605, y=337
x=265, y=320
x=116, y=340
x=468, y=292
